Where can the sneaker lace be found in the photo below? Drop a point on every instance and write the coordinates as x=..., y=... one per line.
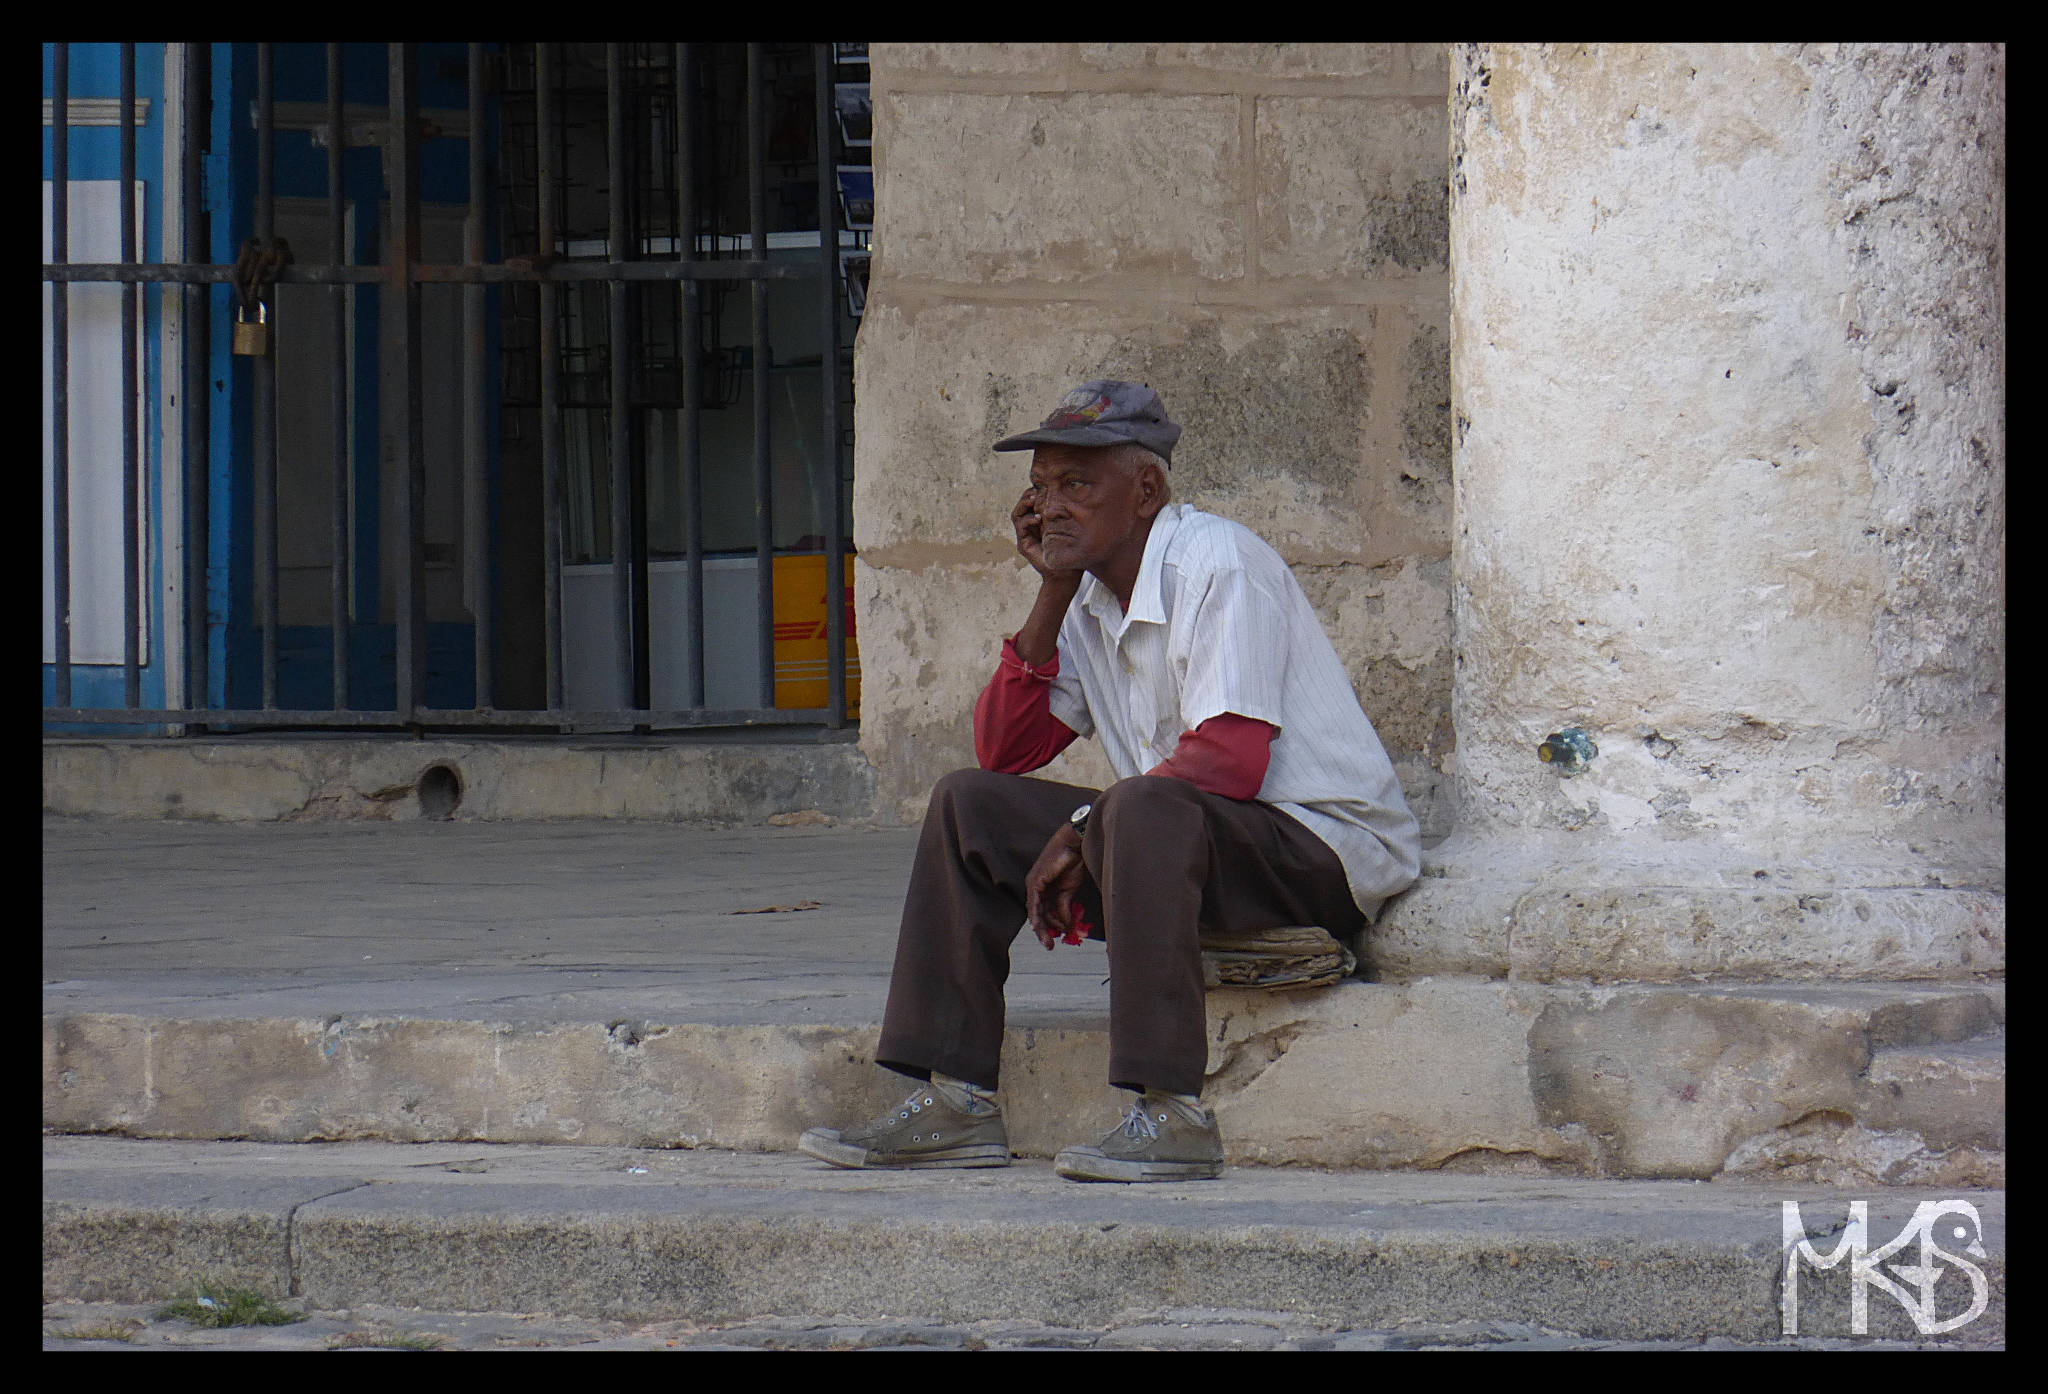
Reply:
x=912, y=1103
x=1137, y=1124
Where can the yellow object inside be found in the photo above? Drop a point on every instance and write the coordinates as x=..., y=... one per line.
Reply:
x=802, y=678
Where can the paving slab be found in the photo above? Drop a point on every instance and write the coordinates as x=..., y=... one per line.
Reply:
x=566, y=921
x=720, y=1238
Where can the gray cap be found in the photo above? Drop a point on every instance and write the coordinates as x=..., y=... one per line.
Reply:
x=1104, y=412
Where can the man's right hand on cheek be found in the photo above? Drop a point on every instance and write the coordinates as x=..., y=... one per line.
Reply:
x=1030, y=525
x=1030, y=539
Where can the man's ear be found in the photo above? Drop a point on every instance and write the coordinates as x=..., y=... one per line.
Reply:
x=1153, y=491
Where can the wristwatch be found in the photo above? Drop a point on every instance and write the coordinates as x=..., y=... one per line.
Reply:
x=1078, y=819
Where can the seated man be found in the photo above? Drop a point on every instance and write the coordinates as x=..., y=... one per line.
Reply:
x=1251, y=793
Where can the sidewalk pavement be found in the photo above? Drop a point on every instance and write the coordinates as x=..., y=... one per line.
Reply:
x=525, y=922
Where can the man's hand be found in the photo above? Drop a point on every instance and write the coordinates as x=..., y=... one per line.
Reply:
x=1038, y=640
x=1050, y=887
x=1030, y=542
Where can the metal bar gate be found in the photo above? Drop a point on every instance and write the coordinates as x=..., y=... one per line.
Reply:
x=399, y=283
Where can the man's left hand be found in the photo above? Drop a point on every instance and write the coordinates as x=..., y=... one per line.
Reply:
x=1050, y=887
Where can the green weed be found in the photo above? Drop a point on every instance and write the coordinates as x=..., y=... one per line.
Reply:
x=215, y=1304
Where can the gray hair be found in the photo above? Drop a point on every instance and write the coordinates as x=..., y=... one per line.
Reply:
x=1134, y=457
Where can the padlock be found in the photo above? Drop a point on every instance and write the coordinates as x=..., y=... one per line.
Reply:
x=252, y=337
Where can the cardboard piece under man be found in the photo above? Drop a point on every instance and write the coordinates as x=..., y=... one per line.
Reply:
x=1252, y=793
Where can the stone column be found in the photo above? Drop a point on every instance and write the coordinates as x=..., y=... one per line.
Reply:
x=1728, y=388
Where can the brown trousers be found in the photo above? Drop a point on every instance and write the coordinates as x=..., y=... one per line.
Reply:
x=1161, y=857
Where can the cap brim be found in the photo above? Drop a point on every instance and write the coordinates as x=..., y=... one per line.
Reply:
x=1072, y=435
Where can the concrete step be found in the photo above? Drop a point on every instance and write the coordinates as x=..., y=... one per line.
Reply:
x=1471, y=1075
x=715, y=1237
x=599, y=983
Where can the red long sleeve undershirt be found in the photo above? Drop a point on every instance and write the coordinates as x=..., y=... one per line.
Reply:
x=1015, y=732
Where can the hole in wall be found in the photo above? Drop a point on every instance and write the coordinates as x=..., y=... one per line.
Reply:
x=440, y=791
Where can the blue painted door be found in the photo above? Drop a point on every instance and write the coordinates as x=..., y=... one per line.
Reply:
x=302, y=337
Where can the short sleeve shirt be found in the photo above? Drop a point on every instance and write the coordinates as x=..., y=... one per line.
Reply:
x=1219, y=624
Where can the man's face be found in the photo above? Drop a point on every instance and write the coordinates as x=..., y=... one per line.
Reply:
x=1089, y=506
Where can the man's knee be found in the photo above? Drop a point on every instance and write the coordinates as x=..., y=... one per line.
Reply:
x=970, y=788
x=1145, y=796
x=978, y=799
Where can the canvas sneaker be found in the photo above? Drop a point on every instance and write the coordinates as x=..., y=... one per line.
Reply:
x=934, y=1127
x=1160, y=1139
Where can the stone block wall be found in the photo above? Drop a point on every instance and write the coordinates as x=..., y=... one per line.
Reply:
x=1260, y=231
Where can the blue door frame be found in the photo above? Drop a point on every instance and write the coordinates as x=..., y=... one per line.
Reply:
x=95, y=154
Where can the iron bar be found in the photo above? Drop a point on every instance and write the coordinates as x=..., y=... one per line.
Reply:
x=196, y=352
x=476, y=531
x=451, y=717
x=337, y=327
x=637, y=467
x=132, y=542
x=402, y=162
x=550, y=372
x=828, y=390
x=182, y=273
x=638, y=445
x=764, y=496
x=690, y=341
x=263, y=368
x=455, y=273
x=60, y=367
x=621, y=382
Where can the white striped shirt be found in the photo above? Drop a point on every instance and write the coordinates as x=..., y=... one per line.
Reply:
x=1219, y=624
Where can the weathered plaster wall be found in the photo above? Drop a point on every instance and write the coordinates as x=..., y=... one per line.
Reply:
x=1728, y=327
x=1257, y=230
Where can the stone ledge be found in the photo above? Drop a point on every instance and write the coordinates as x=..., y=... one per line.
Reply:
x=1459, y=1074
x=1543, y=908
x=248, y=779
x=1952, y=1094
